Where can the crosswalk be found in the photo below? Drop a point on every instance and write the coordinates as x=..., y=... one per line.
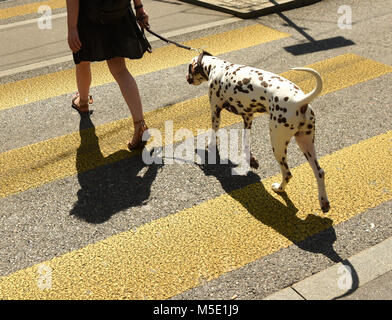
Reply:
x=62, y=82
x=30, y=8
x=169, y=255
x=40, y=163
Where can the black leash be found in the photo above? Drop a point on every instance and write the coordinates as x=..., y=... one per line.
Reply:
x=201, y=52
x=172, y=42
x=166, y=40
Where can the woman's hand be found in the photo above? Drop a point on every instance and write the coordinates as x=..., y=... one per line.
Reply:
x=73, y=39
x=142, y=18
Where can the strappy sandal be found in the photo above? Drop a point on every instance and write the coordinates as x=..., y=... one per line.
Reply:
x=140, y=144
x=82, y=109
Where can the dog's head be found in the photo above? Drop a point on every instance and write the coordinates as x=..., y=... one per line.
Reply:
x=197, y=74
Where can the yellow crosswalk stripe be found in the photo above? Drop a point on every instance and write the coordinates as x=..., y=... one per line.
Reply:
x=178, y=252
x=46, y=161
x=340, y=72
x=29, y=8
x=62, y=82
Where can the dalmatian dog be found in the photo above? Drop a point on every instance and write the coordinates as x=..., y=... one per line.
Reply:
x=245, y=91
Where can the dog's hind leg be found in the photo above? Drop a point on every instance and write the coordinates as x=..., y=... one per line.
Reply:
x=306, y=144
x=279, y=141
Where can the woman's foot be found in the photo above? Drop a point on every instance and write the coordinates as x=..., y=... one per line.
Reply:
x=80, y=105
x=137, y=141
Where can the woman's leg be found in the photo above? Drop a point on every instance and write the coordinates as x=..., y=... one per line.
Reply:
x=83, y=81
x=129, y=91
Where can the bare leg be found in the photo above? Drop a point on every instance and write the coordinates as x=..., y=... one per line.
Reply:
x=130, y=93
x=127, y=86
x=83, y=81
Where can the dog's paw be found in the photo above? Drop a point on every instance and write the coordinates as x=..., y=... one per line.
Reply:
x=276, y=187
x=324, y=204
x=253, y=163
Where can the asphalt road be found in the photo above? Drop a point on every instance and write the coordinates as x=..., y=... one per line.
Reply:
x=29, y=44
x=68, y=215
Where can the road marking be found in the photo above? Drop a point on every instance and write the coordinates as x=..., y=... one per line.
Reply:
x=29, y=8
x=22, y=23
x=69, y=57
x=176, y=253
x=63, y=82
x=36, y=65
x=40, y=163
x=173, y=33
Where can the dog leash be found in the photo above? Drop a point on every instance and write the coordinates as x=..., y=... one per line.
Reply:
x=200, y=51
x=182, y=46
x=173, y=42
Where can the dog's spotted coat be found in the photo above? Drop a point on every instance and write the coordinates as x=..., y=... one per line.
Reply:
x=245, y=91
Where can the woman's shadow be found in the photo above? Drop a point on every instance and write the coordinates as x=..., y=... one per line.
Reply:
x=314, y=234
x=108, y=184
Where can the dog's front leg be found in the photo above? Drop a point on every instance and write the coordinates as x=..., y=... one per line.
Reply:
x=249, y=158
x=215, y=123
x=280, y=138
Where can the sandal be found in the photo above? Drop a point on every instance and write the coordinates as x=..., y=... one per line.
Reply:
x=82, y=109
x=140, y=144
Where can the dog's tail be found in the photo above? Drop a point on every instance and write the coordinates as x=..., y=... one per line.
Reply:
x=316, y=91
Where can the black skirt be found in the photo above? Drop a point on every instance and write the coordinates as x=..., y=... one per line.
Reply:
x=106, y=41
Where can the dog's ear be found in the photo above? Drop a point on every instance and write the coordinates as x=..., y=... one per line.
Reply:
x=190, y=75
x=201, y=55
x=191, y=68
x=199, y=59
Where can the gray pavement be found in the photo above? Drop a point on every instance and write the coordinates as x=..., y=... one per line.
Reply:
x=28, y=44
x=247, y=9
x=339, y=282
x=378, y=289
x=37, y=224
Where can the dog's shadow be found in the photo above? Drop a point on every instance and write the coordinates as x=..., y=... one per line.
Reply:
x=108, y=184
x=313, y=234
